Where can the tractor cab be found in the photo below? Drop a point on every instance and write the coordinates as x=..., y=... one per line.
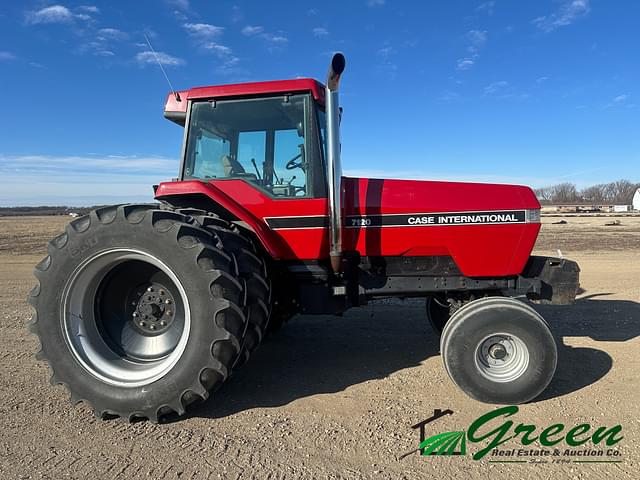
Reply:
x=273, y=140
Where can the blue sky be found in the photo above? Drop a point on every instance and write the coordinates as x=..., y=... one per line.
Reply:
x=508, y=91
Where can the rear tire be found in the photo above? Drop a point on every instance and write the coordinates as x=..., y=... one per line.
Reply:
x=499, y=350
x=252, y=270
x=137, y=312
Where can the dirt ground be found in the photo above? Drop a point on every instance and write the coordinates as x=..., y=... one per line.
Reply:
x=330, y=397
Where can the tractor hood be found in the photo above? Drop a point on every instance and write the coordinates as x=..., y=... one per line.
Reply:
x=487, y=229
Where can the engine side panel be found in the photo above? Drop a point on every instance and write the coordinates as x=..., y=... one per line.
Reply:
x=483, y=227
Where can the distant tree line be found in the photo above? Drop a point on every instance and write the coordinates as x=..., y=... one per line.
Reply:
x=615, y=193
x=44, y=210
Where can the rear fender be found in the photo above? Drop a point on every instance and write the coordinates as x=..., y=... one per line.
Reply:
x=206, y=196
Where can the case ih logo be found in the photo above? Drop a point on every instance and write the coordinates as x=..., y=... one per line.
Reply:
x=573, y=445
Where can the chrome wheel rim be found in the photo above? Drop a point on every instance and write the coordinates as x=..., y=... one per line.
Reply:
x=502, y=357
x=126, y=317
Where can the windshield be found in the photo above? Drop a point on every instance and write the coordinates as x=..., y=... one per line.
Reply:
x=262, y=140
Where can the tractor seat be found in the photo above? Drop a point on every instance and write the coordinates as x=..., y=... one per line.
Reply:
x=231, y=166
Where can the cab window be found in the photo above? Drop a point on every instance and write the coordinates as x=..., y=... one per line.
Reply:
x=265, y=141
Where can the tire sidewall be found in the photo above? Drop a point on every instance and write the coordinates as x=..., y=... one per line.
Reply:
x=141, y=236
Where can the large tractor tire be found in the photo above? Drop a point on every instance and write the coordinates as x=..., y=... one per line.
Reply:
x=499, y=350
x=253, y=271
x=138, y=312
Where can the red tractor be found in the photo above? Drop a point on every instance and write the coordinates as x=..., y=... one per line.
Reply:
x=142, y=310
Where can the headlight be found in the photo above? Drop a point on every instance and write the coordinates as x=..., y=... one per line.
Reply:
x=533, y=215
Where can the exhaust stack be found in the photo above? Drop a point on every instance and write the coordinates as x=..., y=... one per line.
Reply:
x=334, y=167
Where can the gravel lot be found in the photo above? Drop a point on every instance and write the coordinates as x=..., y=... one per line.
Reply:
x=330, y=397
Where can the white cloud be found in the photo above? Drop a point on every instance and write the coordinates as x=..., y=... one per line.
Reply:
x=101, y=42
x=5, y=56
x=486, y=7
x=569, y=12
x=504, y=90
x=236, y=14
x=218, y=49
x=495, y=88
x=59, y=14
x=52, y=164
x=229, y=66
x=274, y=39
x=228, y=63
x=320, y=32
x=622, y=100
x=385, y=52
x=52, y=14
x=449, y=96
x=112, y=34
x=88, y=9
x=478, y=39
x=542, y=79
x=146, y=57
x=465, y=63
x=251, y=30
x=203, y=30
x=375, y=3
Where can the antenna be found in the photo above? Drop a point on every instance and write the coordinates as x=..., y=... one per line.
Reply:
x=175, y=94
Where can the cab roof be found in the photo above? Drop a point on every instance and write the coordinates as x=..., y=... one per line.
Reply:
x=176, y=110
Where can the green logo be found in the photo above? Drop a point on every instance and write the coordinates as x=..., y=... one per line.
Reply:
x=491, y=432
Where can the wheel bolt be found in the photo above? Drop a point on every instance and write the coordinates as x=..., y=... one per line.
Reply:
x=168, y=312
x=161, y=292
x=142, y=324
x=152, y=327
x=167, y=301
x=163, y=323
x=150, y=289
x=135, y=314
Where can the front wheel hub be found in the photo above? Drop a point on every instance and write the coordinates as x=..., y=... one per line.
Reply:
x=502, y=357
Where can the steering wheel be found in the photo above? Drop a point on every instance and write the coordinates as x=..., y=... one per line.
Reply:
x=293, y=164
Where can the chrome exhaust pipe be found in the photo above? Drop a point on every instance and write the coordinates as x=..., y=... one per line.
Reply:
x=334, y=167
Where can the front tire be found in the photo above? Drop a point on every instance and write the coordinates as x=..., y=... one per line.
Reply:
x=499, y=350
x=137, y=312
x=438, y=312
